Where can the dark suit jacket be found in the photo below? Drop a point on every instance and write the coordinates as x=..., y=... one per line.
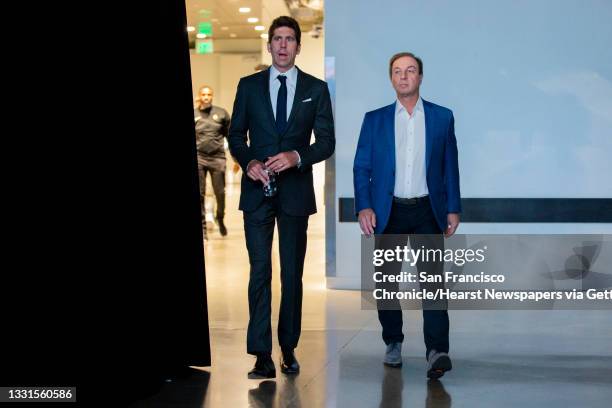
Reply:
x=253, y=113
x=374, y=166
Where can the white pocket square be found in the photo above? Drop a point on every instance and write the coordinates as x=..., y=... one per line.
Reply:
x=307, y=100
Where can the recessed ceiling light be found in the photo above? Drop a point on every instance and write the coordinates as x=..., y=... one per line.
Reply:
x=233, y=35
x=215, y=20
x=225, y=28
x=260, y=28
x=264, y=36
x=244, y=9
x=201, y=35
x=252, y=19
x=190, y=28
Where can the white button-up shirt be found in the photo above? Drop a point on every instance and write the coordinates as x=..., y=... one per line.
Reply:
x=410, y=171
x=275, y=85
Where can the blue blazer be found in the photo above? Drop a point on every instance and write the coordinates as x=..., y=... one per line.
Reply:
x=374, y=166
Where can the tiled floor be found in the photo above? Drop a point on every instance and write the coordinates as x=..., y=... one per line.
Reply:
x=501, y=358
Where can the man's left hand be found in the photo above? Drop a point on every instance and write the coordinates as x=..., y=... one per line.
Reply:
x=282, y=161
x=452, y=224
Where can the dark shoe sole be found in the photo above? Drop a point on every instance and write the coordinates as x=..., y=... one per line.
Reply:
x=257, y=376
x=442, y=365
x=393, y=365
x=289, y=371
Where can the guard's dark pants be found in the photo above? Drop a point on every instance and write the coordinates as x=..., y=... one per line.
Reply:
x=414, y=219
x=218, y=183
x=259, y=231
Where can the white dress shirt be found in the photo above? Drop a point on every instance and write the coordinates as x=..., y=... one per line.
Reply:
x=410, y=171
x=275, y=85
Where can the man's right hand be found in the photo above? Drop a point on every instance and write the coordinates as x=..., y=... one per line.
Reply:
x=367, y=221
x=257, y=171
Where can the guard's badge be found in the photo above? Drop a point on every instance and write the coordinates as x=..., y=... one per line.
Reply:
x=216, y=117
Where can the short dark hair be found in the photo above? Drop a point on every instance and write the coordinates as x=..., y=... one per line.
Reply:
x=285, y=21
x=405, y=54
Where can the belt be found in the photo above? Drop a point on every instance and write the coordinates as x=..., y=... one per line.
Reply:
x=410, y=201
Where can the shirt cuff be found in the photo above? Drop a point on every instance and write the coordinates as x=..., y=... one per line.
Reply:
x=299, y=163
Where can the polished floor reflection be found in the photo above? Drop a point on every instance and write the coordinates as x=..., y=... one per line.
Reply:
x=500, y=358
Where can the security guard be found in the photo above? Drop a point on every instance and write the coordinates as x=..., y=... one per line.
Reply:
x=211, y=126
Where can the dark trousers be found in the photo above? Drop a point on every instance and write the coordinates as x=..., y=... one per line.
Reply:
x=218, y=183
x=415, y=219
x=259, y=231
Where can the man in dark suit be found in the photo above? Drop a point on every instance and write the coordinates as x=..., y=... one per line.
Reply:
x=406, y=179
x=279, y=108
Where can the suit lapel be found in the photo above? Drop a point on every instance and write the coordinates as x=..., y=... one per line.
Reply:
x=300, y=90
x=429, y=132
x=265, y=92
x=389, y=122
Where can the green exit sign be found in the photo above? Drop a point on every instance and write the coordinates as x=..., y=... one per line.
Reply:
x=204, y=47
x=205, y=28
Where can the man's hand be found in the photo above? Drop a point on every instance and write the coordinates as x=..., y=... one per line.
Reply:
x=257, y=171
x=282, y=161
x=367, y=221
x=452, y=224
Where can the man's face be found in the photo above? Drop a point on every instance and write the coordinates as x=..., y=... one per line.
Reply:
x=206, y=96
x=405, y=76
x=284, y=48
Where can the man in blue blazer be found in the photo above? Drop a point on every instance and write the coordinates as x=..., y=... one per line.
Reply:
x=406, y=179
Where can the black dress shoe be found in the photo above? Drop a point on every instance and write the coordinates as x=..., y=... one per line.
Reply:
x=289, y=364
x=222, y=228
x=264, y=368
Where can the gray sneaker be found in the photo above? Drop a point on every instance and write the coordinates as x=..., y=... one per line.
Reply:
x=393, y=355
x=438, y=364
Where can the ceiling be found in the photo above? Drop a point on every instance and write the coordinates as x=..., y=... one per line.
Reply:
x=228, y=23
x=225, y=18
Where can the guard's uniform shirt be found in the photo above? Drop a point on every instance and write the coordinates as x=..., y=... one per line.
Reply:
x=211, y=127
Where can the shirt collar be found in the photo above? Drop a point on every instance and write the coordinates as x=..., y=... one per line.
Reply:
x=207, y=109
x=291, y=75
x=417, y=108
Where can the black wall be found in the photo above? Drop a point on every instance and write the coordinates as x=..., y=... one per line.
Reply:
x=104, y=281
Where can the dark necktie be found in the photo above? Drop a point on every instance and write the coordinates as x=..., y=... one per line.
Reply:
x=281, y=105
